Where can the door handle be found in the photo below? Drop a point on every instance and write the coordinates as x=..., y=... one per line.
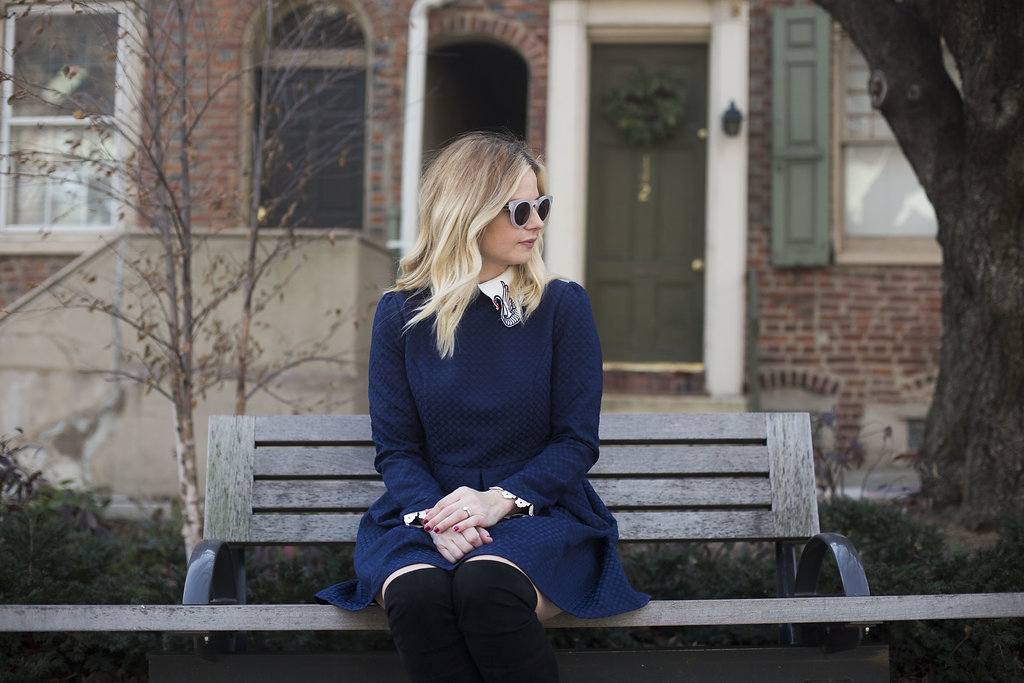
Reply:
x=697, y=265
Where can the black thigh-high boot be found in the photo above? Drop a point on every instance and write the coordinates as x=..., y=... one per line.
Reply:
x=425, y=628
x=496, y=605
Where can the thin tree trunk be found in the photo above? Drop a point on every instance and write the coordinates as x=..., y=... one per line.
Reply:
x=252, y=239
x=191, y=530
x=188, y=487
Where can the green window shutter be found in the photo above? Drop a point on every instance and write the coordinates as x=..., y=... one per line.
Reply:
x=800, y=136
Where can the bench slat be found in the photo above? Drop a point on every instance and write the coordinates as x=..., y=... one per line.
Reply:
x=315, y=495
x=617, y=493
x=649, y=525
x=296, y=461
x=703, y=459
x=328, y=429
x=707, y=525
x=295, y=529
x=727, y=427
x=207, y=618
x=278, y=461
x=689, y=492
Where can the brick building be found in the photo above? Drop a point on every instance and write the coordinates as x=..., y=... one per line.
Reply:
x=806, y=208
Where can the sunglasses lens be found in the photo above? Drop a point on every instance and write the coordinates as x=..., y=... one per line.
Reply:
x=544, y=208
x=521, y=214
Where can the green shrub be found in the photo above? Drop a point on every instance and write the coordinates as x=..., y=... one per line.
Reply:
x=679, y=571
x=55, y=549
x=292, y=575
x=904, y=557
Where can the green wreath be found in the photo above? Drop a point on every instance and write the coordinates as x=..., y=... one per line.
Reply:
x=647, y=110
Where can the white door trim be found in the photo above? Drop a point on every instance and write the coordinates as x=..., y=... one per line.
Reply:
x=724, y=24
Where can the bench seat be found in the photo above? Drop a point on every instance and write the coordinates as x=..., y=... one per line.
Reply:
x=293, y=480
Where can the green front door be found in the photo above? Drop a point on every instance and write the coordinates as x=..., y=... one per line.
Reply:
x=645, y=208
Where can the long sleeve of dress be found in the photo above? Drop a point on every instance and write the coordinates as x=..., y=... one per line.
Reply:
x=576, y=384
x=397, y=431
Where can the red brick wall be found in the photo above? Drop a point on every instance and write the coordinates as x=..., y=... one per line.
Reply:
x=19, y=274
x=863, y=334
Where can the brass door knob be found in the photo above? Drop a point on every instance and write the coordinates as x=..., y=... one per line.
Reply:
x=697, y=265
x=702, y=133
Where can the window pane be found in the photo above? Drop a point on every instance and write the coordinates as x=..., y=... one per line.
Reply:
x=883, y=196
x=314, y=165
x=863, y=122
x=315, y=26
x=66, y=62
x=58, y=177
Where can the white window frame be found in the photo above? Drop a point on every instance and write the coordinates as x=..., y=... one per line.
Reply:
x=853, y=249
x=122, y=107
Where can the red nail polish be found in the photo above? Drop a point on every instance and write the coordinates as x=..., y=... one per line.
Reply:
x=455, y=528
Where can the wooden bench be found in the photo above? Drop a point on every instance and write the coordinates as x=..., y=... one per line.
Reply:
x=288, y=480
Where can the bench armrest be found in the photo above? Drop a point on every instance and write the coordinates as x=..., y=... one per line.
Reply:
x=215, y=576
x=854, y=581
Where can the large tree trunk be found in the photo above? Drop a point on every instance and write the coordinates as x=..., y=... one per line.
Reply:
x=974, y=435
x=967, y=149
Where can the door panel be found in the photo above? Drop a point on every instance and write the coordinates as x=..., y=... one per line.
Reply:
x=645, y=221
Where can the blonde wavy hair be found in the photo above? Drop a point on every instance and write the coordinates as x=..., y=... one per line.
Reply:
x=465, y=187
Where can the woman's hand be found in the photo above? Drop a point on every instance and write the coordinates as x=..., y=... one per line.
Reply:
x=454, y=545
x=465, y=508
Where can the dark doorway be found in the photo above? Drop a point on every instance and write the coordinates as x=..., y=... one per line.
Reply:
x=474, y=86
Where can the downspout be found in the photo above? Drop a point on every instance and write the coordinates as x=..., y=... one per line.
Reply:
x=412, y=137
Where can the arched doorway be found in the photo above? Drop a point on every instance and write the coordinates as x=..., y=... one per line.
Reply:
x=474, y=86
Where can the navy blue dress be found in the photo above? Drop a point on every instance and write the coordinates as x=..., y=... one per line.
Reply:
x=515, y=407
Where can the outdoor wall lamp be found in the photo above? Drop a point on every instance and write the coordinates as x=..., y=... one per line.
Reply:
x=732, y=119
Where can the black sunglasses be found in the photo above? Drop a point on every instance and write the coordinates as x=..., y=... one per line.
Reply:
x=519, y=209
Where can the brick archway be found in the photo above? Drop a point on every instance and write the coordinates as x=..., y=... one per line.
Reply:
x=800, y=379
x=457, y=25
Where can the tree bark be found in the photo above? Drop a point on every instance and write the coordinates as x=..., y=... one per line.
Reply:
x=967, y=148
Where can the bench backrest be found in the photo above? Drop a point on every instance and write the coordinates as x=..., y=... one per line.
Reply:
x=292, y=479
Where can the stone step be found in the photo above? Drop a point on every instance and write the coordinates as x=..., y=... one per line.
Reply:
x=670, y=403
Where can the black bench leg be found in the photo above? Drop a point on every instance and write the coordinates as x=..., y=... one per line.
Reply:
x=785, y=584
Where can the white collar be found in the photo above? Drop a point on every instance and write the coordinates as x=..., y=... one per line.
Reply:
x=497, y=290
x=496, y=286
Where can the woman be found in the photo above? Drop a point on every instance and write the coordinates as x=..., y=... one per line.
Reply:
x=485, y=390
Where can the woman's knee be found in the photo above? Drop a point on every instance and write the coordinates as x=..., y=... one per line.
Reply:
x=394, y=575
x=418, y=593
x=544, y=608
x=483, y=590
